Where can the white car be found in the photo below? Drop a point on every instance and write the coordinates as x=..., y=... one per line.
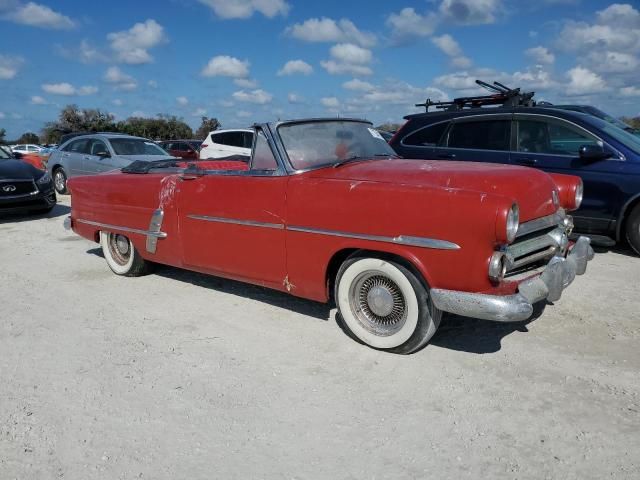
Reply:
x=25, y=149
x=225, y=143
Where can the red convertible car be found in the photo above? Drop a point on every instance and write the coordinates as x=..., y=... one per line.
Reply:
x=324, y=209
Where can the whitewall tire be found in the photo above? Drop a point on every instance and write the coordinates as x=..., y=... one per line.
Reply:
x=121, y=255
x=384, y=305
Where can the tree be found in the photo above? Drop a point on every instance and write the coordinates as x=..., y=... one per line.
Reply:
x=632, y=122
x=72, y=119
x=3, y=133
x=28, y=137
x=389, y=127
x=163, y=127
x=207, y=125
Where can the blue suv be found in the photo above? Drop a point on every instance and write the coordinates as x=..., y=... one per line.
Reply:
x=606, y=157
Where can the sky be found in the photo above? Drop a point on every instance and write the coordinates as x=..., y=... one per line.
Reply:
x=246, y=61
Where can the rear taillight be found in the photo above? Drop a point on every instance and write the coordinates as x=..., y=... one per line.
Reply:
x=204, y=145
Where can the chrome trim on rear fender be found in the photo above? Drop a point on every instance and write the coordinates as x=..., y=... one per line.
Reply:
x=249, y=223
x=421, y=242
x=106, y=226
x=154, y=226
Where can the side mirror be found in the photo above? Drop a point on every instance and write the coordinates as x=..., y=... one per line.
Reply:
x=103, y=154
x=593, y=152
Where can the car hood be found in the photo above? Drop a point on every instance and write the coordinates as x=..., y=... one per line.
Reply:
x=18, y=170
x=146, y=158
x=529, y=187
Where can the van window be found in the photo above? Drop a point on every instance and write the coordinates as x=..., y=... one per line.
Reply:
x=427, y=136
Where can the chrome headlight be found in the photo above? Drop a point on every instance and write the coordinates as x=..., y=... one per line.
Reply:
x=579, y=194
x=44, y=179
x=513, y=222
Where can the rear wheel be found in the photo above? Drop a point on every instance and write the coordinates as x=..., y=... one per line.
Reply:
x=382, y=304
x=121, y=256
x=60, y=181
x=633, y=229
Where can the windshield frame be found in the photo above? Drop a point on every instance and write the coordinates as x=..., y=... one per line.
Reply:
x=616, y=133
x=290, y=167
x=6, y=151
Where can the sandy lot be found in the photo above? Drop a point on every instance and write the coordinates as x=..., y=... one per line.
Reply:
x=183, y=376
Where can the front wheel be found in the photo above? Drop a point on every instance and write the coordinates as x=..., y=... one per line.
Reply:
x=121, y=256
x=383, y=305
x=60, y=181
x=633, y=229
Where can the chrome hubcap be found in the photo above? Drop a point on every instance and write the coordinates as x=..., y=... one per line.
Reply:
x=378, y=303
x=59, y=179
x=122, y=244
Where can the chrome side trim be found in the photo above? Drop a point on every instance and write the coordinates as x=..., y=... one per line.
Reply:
x=249, y=223
x=399, y=240
x=154, y=226
x=123, y=229
x=541, y=223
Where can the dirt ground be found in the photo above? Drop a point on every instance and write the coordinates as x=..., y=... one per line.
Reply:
x=179, y=375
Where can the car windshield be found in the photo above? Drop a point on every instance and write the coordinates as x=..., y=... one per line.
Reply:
x=629, y=140
x=136, y=146
x=4, y=154
x=596, y=112
x=331, y=142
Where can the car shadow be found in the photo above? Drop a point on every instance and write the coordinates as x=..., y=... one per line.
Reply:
x=473, y=335
x=619, y=248
x=459, y=333
x=275, y=298
x=58, y=210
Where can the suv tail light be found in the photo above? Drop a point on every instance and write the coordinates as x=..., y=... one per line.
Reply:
x=204, y=145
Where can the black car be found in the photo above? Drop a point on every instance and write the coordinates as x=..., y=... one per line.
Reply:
x=24, y=188
x=516, y=131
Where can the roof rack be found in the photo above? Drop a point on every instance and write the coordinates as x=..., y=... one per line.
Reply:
x=502, y=95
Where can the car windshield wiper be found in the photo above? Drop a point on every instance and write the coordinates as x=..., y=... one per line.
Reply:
x=364, y=157
x=141, y=166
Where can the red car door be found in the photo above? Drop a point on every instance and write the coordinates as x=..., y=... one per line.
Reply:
x=232, y=221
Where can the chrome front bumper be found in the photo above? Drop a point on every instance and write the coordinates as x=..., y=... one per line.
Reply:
x=558, y=274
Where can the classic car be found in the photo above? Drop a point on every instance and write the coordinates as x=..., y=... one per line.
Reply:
x=325, y=210
x=23, y=187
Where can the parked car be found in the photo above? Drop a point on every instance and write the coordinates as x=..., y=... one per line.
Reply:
x=24, y=188
x=26, y=148
x=605, y=157
x=187, y=149
x=325, y=207
x=226, y=143
x=596, y=112
x=97, y=153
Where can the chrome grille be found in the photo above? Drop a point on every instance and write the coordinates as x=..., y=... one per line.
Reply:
x=537, y=241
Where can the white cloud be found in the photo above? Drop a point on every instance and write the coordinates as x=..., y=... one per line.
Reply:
x=296, y=66
x=226, y=103
x=358, y=85
x=394, y=93
x=199, y=112
x=350, y=53
x=613, y=62
x=408, y=24
x=294, y=98
x=336, y=68
x=2, y=115
x=119, y=79
x=9, y=66
x=84, y=53
x=535, y=78
x=254, y=96
x=470, y=12
x=152, y=84
x=132, y=46
x=38, y=100
x=450, y=47
x=540, y=55
x=583, y=81
x=117, y=102
x=246, y=8
x=328, y=30
x=182, y=101
x=243, y=114
x=331, y=103
x=630, y=91
x=245, y=82
x=226, y=66
x=37, y=15
x=59, y=88
x=67, y=89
